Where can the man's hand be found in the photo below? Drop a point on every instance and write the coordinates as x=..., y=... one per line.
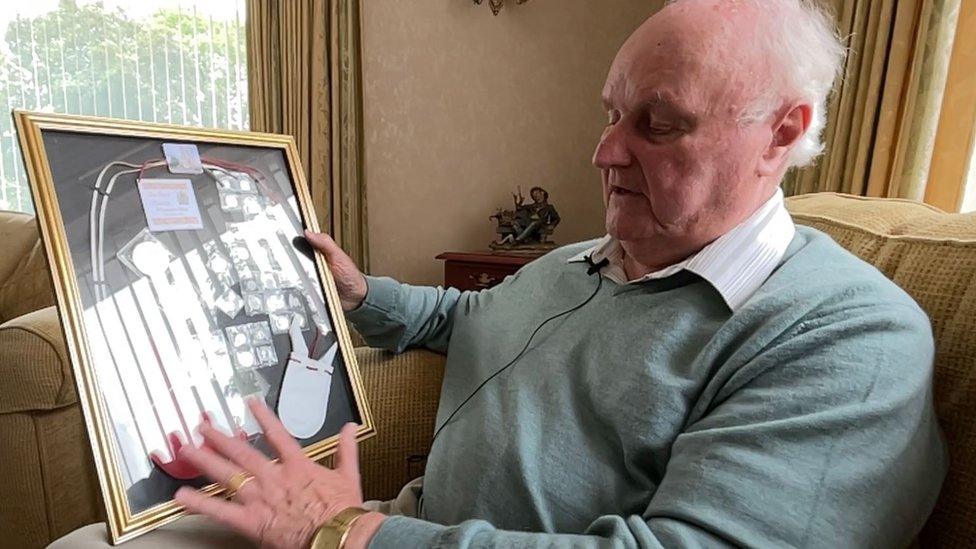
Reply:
x=348, y=278
x=286, y=501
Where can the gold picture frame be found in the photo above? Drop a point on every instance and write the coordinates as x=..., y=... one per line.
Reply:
x=62, y=154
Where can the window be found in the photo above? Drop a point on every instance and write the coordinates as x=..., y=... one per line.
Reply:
x=173, y=61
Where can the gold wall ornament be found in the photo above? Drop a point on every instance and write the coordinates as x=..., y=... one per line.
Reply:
x=497, y=5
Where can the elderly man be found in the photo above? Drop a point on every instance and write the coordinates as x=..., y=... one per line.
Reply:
x=707, y=374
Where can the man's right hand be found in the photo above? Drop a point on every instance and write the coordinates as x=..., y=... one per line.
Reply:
x=348, y=278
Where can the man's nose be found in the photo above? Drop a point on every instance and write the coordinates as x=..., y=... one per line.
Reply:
x=612, y=151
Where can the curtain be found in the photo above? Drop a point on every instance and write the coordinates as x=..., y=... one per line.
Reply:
x=855, y=103
x=912, y=101
x=884, y=115
x=304, y=80
x=954, y=142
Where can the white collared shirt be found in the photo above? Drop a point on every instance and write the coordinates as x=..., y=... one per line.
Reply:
x=736, y=264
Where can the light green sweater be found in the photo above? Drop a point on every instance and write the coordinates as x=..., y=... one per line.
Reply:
x=656, y=417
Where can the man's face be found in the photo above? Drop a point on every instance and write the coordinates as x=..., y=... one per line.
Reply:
x=537, y=196
x=679, y=169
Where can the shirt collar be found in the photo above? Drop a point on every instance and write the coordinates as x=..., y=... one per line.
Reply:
x=736, y=264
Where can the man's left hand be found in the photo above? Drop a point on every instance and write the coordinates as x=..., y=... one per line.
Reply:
x=286, y=501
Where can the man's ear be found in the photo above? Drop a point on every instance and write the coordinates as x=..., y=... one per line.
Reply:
x=791, y=126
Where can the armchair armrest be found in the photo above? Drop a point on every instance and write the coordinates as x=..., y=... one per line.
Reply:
x=34, y=366
x=49, y=486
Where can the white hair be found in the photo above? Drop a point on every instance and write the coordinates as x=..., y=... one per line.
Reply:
x=802, y=44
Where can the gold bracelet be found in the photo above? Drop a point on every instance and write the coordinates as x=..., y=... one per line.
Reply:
x=333, y=534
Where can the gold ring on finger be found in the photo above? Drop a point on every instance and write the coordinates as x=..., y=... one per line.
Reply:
x=236, y=482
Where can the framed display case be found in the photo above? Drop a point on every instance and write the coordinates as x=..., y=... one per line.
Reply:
x=184, y=287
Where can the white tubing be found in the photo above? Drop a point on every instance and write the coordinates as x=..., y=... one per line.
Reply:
x=97, y=223
x=93, y=227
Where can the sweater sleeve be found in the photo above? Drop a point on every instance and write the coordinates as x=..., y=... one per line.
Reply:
x=398, y=316
x=826, y=438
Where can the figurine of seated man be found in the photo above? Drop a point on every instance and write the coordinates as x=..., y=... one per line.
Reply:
x=529, y=224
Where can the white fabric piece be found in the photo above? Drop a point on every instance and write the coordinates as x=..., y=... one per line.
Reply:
x=304, y=399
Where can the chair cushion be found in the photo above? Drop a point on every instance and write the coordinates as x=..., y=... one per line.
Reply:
x=28, y=288
x=18, y=232
x=932, y=256
x=25, y=283
x=402, y=391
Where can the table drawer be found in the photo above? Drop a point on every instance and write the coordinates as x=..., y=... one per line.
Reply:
x=474, y=276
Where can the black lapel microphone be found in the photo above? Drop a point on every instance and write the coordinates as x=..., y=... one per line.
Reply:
x=595, y=267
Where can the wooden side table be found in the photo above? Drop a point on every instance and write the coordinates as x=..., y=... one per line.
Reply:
x=479, y=270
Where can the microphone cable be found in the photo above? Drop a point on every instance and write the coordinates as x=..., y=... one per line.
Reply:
x=594, y=268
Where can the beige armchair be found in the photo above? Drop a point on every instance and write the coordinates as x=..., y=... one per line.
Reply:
x=49, y=487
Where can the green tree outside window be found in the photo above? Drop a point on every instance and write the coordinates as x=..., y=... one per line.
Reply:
x=175, y=65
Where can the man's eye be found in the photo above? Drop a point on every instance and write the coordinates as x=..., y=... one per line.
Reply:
x=660, y=130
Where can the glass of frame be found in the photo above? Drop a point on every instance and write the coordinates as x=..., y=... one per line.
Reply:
x=184, y=288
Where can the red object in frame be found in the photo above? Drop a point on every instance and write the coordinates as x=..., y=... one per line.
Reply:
x=259, y=176
x=178, y=467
